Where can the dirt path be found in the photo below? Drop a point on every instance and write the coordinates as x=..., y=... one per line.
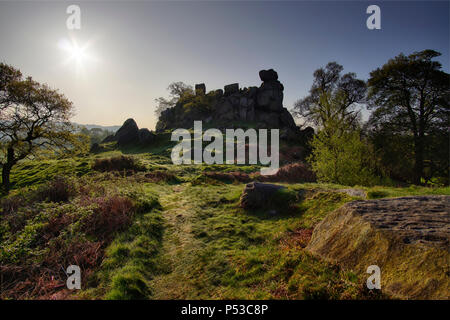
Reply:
x=178, y=245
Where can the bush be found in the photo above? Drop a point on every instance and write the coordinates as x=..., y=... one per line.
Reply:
x=376, y=194
x=294, y=172
x=120, y=163
x=59, y=189
x=342, y=157
x=112, y=214
x=11, y=204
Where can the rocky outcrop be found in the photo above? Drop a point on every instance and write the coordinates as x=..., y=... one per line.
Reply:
x=130, y=134
x=258, y=107
x=408, y=238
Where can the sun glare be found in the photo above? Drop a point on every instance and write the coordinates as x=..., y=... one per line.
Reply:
x=77, y=55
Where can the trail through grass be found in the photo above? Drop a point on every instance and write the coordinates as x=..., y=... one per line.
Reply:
x=212, y=249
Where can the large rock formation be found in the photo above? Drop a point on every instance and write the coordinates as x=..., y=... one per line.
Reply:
x=408, y=238
x=130, y=134
x=234, y=107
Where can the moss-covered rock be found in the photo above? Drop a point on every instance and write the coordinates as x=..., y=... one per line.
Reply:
x=408, y=238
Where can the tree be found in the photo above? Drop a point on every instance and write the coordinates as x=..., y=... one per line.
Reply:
x=33, y=117
x=342, y=158
x=410, y=97
x=340, y=155
x=332, y=96
x=176, y=91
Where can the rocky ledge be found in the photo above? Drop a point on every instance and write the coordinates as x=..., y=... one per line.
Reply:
x=408, y=238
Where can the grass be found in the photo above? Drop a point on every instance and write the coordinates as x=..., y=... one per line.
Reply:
x=390, y=192
x=231, y=254
x=185, y=236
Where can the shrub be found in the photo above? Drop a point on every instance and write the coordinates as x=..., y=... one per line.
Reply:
x=112, y=214
x=294, y=172
x=120, y=163
x=376, y=194
x=60, y=189
x=342, y=157
x=228, y=177
x=11, y=204
x=160, y=175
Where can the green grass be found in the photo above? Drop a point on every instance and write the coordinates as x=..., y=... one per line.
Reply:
x=233, y=254
x=189, y=239
x=130, y=261
x=390, y=192
x=29, y=173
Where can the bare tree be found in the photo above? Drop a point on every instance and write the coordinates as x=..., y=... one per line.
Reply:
x=332, y=97
x=32, y=117
x=176, y=91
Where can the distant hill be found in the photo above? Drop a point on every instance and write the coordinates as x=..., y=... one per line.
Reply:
x=91, y=126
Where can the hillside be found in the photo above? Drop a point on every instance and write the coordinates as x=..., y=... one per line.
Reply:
x=143, y=228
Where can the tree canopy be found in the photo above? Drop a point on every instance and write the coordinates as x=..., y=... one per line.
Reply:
x=32, y=117
x=409, y=96
x=176, y=91
x=333, y=95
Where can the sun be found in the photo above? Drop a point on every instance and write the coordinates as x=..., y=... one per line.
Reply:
x=75, y=54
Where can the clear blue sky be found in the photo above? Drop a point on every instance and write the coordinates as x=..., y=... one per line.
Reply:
x=137, y=48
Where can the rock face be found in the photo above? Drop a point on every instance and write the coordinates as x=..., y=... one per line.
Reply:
x=130, y=134
x=261, y=107
x=408, y=238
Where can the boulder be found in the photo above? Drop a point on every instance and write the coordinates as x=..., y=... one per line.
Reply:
x=408, y=238
x=231, y=88
x=145, y=136
x=354, y=192
x=257, y=195
x=128, y=133
x=268, y=75
x=200, y=89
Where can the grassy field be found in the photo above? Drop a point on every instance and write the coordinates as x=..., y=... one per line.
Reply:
x=159, y=231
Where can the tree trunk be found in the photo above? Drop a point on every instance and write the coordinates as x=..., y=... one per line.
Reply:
x=418, y=161
x=10, y=161
x=5, y=177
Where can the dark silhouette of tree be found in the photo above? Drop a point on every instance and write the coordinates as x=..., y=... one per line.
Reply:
x=332, y=96
x=176, y=91
x=33, y=117
x=410, y=98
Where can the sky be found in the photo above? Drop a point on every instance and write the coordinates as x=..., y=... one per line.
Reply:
x=133, y=50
